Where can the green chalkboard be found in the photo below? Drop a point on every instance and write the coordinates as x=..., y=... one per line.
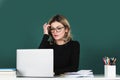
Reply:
x=94, y=23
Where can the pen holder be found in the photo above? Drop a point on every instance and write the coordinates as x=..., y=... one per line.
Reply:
x=110, y=71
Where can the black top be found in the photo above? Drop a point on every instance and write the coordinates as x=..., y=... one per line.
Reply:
x=66, y=57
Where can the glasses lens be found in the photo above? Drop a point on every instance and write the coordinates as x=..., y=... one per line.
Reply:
x=52, y=29
x=59, y=29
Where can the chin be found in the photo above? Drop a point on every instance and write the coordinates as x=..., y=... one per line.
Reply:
x=57, y=38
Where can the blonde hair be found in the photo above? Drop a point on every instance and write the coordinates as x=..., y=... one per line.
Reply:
x=61, y=19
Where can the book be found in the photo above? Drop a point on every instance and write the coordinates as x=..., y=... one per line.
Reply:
x=79, y=74
x=7, y=72
x=7, y=69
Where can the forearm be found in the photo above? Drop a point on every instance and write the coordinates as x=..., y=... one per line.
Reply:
x=44, y=41
x=66, y=69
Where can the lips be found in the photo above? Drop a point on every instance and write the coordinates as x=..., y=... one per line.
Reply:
x=55, y=35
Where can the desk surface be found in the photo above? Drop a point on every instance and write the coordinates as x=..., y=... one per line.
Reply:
x=12, y=76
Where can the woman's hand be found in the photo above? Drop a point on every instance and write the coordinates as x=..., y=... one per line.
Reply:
x=45, y=28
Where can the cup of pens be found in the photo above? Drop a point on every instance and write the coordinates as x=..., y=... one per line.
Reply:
x=109, y=67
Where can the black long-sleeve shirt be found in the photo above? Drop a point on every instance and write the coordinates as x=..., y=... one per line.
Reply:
x=66, y=57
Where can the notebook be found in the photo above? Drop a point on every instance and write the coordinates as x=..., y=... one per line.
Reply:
x=34, y=63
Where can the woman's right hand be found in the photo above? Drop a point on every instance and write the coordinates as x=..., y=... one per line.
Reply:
x=45, y=28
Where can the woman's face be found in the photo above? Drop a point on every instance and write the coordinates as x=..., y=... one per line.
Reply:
x=58, y=30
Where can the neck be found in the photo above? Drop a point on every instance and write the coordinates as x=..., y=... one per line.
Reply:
x=60, y=42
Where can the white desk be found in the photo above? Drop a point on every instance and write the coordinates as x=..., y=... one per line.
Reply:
x=12, y=76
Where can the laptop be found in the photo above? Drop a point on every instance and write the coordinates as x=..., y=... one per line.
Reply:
x=34, y=63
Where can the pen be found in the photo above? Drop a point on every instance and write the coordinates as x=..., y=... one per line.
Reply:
x=109, y=61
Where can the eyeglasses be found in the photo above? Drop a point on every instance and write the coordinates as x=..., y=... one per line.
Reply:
x=58, y=29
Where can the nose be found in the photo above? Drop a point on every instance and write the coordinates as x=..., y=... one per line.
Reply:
x=55, y=31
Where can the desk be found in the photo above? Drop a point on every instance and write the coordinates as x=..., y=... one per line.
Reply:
x=12, y=76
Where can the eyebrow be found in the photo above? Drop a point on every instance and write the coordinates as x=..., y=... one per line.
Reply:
x=57, y=26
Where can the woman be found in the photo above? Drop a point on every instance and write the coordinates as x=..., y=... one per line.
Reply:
x=57, y=36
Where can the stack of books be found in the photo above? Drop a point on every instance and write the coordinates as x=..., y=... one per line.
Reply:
x=7, y=72
x=79, y=74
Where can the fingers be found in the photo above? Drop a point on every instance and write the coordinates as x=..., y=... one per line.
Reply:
x=45, y=27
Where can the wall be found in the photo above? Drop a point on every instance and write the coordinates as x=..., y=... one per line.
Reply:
x=94, y=23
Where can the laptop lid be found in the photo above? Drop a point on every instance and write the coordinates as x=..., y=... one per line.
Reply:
x=35, y=62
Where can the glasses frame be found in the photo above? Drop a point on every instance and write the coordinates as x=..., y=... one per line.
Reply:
x=58, y=29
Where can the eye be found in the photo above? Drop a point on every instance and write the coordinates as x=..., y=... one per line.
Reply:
x=59, y=28
x=51, y=28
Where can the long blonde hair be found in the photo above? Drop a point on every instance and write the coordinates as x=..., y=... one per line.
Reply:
x=64, y=21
